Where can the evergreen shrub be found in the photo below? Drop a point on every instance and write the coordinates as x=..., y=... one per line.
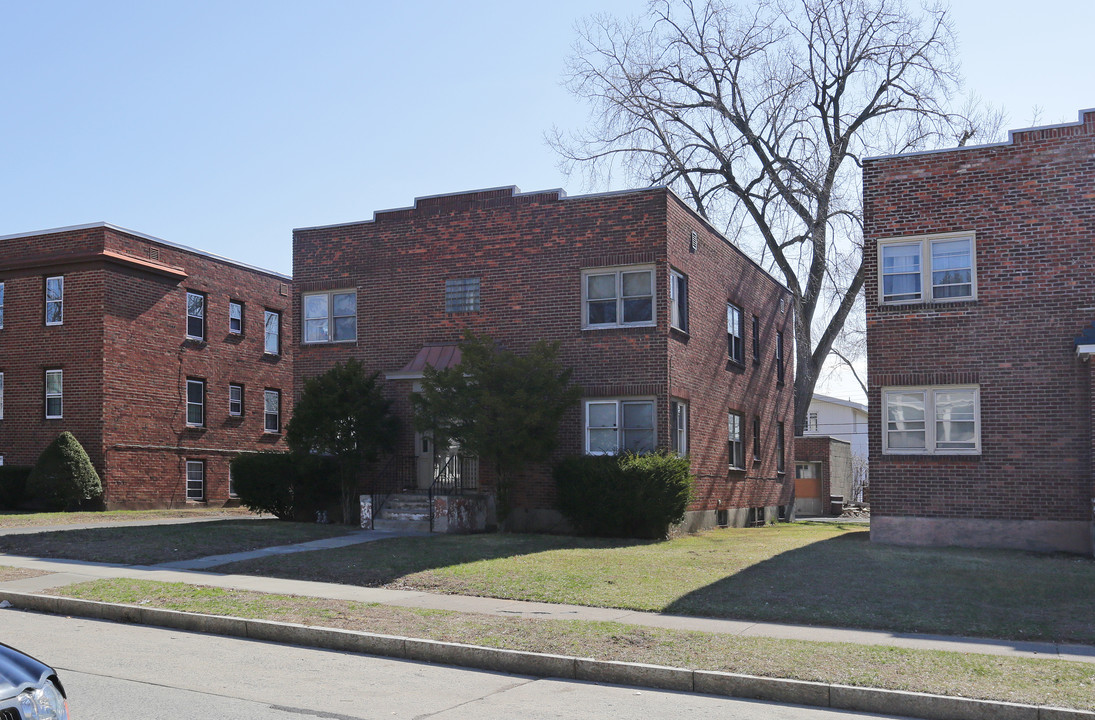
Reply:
x=63, y=478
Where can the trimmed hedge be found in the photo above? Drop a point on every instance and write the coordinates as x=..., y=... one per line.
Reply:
x=628, y=495
x=13, y=484
x=285, y=485
x=63, y=478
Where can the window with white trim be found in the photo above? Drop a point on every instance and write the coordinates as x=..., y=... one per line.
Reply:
x=55, y=300
x=1, y=396
x=756, y=438
x=462, y=295
x=54, y=394
x=231, y=483
x=615, y=426
x=678, y=426
x=943, y=420
x=195, y=402
x=617, y=298
x=195, y=480
x=235, y=317
x=271, y=343
x=678, y=300
x=235, y=400
x=781, y=449
x=271, y=416
x=735, y=428
x=937, y=268
x=195, y=315
x=756, y=340
x=735, y=340
x=1, y=304
x=811, y=422
x=330, y=316
x=779, y=357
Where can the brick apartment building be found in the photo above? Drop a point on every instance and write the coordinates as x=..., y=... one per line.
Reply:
x=164, y=361
x=980, y=282
x=676, y=337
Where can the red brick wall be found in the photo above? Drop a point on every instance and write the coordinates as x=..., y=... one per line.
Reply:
x=529, y=251
x=1031, y=206
x=126, y=360
x=817, y=448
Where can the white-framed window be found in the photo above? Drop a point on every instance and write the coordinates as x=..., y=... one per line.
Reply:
x=756, y=438
x=235, y=317
x=811, y=422
x=195, y=480
x=779, y=357
x=935, y=268
x=330, y=316
x=462, y=295
x=735, y=339
x=678, y=300
x=756, y=340
x=678, y=426
x=943, y=420
x=271, y=415
x=1, y=396
x=781, y=449
x=235, y=399
x=735, y=429
x=271, y=343
x=231, y=483
x=618, y=297
x=1, y=305
x=54, y=394
x=55, y=300
x=619, y=425
x=195, y=315
x=195, y=402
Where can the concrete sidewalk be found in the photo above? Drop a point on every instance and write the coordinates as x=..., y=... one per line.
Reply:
x=197, y=572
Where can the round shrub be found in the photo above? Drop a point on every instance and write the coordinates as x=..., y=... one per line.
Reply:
x=637, y=496
x=63, y=478
x=282, y=484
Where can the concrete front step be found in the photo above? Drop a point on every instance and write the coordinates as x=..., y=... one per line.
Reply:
x=401, y=525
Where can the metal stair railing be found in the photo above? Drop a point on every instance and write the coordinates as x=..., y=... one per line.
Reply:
x=458, y=474
x=393, y=476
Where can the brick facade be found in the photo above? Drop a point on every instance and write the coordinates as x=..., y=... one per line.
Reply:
x=1028, y=204
x=528, y=251
x=125, y=359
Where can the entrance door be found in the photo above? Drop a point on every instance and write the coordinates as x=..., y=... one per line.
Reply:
x=425, y=464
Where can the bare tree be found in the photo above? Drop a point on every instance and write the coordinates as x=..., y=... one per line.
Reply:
x=759, y=113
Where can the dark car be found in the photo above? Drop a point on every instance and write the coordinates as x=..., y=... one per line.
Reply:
x=29, y=690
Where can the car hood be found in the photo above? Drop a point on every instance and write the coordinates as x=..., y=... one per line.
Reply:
x=17, y=671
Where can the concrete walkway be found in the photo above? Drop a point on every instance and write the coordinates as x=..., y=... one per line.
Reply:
x=198, y=572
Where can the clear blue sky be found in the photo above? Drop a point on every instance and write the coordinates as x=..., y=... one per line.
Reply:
x=223, y=125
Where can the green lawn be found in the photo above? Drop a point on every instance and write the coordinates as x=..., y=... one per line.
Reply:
x=1035, y=681
x=148, y=545
x=817, y=574
x=15, y=518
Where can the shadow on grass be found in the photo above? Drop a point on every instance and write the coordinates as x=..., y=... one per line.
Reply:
x=847, y=581
x=386, y=562
x=151, y=544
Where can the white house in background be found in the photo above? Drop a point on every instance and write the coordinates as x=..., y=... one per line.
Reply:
x=841, y=419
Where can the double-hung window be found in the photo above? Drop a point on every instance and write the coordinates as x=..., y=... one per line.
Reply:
x=678, y=300
x=933, y=269
x=615, y=426
x=779, y=357
x=235, y=317
x=54, y=394
x=617, y=298
x=195, y=315
x=678, y=421
x=735, y=341
x=932, y=420
x=781, y=449
x=55, y=300
x=756, y=438
x=330, y=316
x=271, y=343
x=235, y=400
x=271, y=417
x=1, y=396
x=735, y=428
x=195, y=480
x=195, y=402
x=756, y=340
x=1, y=304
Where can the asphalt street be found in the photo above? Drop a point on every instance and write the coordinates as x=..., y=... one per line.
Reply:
x=115, y=670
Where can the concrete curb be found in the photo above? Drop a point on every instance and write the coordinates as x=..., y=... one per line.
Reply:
x=799, y=692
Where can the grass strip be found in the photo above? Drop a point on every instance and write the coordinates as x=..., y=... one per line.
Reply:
x=153, y=544
x=1034, y=681
x=815, y=574
x=11, y=573
x=14, y=519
